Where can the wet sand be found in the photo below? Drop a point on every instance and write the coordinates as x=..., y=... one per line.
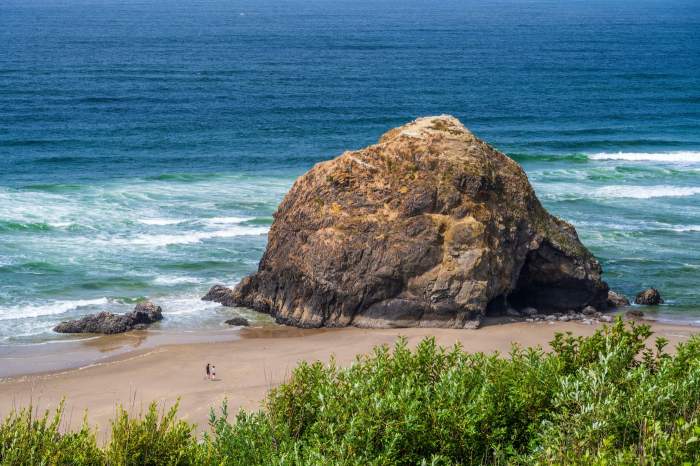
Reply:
x=75, y=351
x=246, y=367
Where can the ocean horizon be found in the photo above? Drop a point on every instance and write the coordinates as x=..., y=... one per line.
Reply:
x=144, y=146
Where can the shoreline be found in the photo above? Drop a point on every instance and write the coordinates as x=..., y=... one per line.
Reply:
x=71, y=354
x=247, y=367
x=80, y=351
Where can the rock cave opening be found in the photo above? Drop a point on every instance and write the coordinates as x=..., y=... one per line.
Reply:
x=544, y=284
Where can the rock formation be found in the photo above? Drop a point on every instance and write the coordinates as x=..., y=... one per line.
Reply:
x=144, y=313
x=220, y=294
x=616, y=300
x=238, y=322
x=430, y=227
x=650, y=297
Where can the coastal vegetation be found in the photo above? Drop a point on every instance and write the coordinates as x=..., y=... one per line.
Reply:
x=616, y=397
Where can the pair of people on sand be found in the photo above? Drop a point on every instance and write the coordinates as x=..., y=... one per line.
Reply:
x=211, y=371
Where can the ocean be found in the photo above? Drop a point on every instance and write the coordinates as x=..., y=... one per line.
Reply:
x=145, y=145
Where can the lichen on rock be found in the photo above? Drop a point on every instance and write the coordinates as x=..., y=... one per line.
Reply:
x=430, y=227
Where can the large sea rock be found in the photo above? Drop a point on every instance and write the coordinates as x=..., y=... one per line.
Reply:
x=430, y=227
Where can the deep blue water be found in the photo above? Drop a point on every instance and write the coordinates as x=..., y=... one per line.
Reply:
x=144, y=145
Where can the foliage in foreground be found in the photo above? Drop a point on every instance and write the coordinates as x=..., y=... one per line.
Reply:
x=605, y=399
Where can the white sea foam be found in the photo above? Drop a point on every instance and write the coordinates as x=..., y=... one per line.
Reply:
x=565, y=191
x=191, y=237
x=686, y=228
x=663, y=157
x=47, y=309
x=664, y=226
x=645, y=192
x=187, y=305
x=160, y=221
x=225, y=220
x=172, y=280
x=635, y=226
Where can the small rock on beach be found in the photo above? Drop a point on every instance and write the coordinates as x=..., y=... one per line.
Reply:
x=649, y=297
x=616, y=300
x=238, y=322
x=144, y=314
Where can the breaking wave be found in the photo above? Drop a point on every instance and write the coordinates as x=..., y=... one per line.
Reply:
x=662, y=157
x=645, y=192
x=48, y=309
x=190, y=237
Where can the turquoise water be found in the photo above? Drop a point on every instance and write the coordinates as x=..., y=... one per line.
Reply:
x=144, y=145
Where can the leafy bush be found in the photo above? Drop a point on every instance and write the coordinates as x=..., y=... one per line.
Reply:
x=604, y=399
x=28, y=439
x=151, y=439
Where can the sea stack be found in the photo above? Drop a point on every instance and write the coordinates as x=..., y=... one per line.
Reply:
x=429, y=227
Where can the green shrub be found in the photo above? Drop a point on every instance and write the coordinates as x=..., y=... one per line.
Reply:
x=152, y=439
x=28, y=439
x=604, y=399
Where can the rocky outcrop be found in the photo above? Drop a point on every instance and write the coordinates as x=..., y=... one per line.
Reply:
x=649, y=297
x=220, y=294
x=616, y=300
x=238, y=322
x=144, y=313
x=430, y=227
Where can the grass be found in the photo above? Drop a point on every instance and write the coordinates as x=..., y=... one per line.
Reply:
x=605, y=399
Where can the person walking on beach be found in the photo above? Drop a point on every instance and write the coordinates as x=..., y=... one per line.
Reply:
x=208, y=371
x=213, y=372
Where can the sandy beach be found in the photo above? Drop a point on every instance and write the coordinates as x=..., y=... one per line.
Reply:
x=246, y=368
